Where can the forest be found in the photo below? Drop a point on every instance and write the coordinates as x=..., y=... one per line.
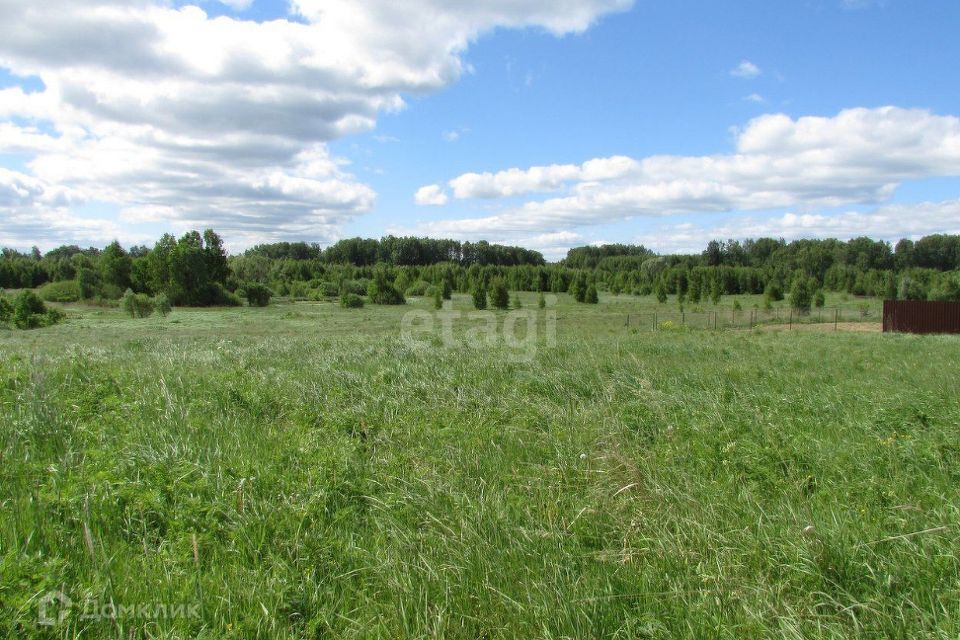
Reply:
x=195, y=269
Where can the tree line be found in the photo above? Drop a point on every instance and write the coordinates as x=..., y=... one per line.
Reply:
x=195, y=270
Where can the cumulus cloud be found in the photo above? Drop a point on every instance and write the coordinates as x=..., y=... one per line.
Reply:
x=431, y=195
x=858, y=156
x=206, y=120
x=746, y=69
x=891, y=222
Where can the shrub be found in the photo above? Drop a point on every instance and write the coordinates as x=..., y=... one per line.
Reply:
x=136, y=305
x=29, y=312
x=737, y=306
x=479, y=297
x=351, y=301
x=499, y=296
x=447, y=290
x=217, y=295
x=541, y=301
x=819, y=299
x=945, y=287
x=358, y=287
x=773, y=292
x=329, y=289
x=661, y=291
x=6, y=310
x=437, y=298
x=162, y=304
x=591, y=295
x=418, y=288
x=62, y=291
x=800, y=295
x=258, y=295
x=381, y=291
x=516, y=304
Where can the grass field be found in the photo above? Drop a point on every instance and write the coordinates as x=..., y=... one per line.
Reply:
x=300, y=471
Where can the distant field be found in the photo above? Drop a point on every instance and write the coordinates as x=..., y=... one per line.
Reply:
x=300, y=471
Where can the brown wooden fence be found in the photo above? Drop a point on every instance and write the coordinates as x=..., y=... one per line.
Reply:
x=921, y=316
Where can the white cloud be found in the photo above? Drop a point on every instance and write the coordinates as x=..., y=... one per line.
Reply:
x=155, y=108
x=237, y=5
x=454, y=135
x=891, y=222
x=857, y=156
x=746, y=69
x=756, y=98
x=431, y=195
x=513, y=182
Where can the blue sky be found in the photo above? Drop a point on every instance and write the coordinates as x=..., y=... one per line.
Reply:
x=546, y=124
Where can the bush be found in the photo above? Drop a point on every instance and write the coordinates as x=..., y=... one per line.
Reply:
x=418, y=288
x=162, y=304
x=358, y=287
x=351, y=301
x=437, y=298
x=136, y=305
x=819, y=299
x=219, y=296
x=381, y=291
x=800, y=295
x=773, y=292
x=479, y=298
x=499, y=296
x=6, y=310
x=516, y=304
x=62, y=291
x=661, y=291
x=29, y=312
x=329, y=289
x=258, y=295
x=541, y=301
x=590, y=297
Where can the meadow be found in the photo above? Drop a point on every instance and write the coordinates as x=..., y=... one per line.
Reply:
x=300, y=471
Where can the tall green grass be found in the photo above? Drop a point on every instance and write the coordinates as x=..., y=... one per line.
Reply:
x=299, y=472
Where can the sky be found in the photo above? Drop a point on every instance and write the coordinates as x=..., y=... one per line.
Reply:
x=542, y=123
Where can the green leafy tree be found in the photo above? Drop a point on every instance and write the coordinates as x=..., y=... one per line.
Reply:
x=541, y=301
x=437, y=298
x=447, y=289
x=115, y=266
